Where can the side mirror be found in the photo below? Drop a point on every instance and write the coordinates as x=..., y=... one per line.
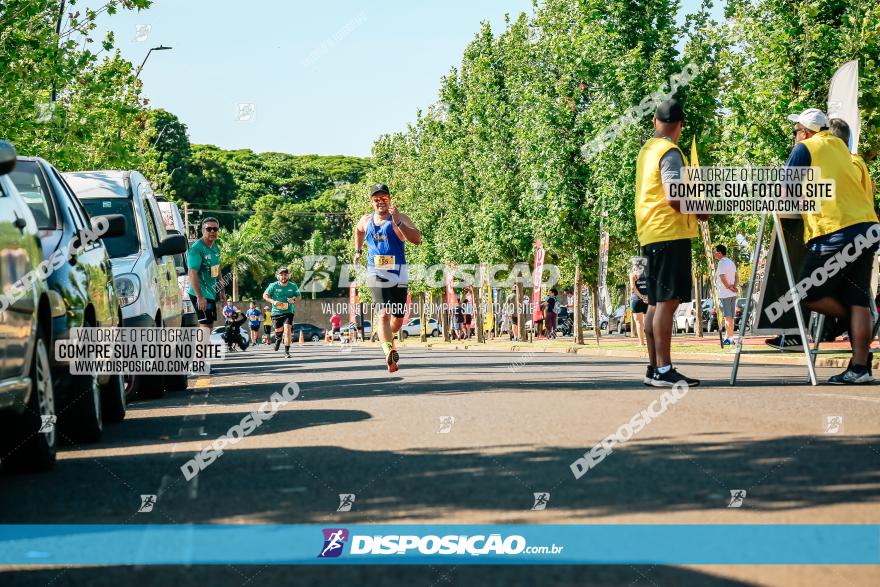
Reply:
x=171, y=245
x=115, y=225
x=7, y=157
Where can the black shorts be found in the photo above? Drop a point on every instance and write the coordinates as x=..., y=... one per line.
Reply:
x=267, y=328
x=209, y=316
x=468, y=319
x=668, y=271
x=638, y=306
x=281, y=319
x=851, y=286
x=390, y=299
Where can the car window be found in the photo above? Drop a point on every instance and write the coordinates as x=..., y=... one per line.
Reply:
x=151, y=223
x=66, y=199
x=33, y=189
x=125, y=244
x=75, y=204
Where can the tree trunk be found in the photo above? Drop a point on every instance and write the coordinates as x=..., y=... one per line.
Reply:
x=597, y=319
x=698, y=305
x=578, y=319
x=424, y=318
x=234, y=283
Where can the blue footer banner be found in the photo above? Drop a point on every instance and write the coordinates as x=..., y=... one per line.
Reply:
x=439, y=544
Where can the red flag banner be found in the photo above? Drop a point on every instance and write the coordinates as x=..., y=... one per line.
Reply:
x=536, y=281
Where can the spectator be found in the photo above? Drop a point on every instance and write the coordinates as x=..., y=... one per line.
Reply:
x=726, y=286
x=551, y=305
x=638, y=284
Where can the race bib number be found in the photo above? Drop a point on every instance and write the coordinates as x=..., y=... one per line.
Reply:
x=384, y=261
x=281, y=305
x=215, y=271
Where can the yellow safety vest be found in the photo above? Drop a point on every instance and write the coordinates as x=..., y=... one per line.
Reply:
x=865, y=176
x=656, y=220
x=849, y=205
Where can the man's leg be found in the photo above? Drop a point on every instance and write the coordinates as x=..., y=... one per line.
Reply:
x=860, y=332
x=288, y=335
x=729, y=322
x=649, y=335
x=661, y=326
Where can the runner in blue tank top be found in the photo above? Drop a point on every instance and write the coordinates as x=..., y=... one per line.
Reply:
x=385, y=231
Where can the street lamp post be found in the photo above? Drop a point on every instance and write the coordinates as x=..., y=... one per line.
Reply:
x=159, y=48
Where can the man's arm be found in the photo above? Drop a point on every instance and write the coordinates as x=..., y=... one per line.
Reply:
x=407, y=230
x=360, y=234
x=267, y=297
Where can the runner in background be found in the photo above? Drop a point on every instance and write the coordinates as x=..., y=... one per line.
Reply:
x=203, y=265
x=283, y=295
x=254, y=315
x=335, y=327
x=385, y=231
x=267, y=324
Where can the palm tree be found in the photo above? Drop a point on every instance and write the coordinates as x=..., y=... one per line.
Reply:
x=243, y=250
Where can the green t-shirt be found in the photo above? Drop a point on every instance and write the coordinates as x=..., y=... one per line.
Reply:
x=279, y=292
x=205, y=261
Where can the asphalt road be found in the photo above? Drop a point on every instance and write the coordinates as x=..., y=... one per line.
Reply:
x=469, y=437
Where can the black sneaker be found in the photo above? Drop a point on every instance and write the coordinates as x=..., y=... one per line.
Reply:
x=277, y=344
x=851, y=377
x=286, y=354
x=671, y=378
x=649, y=375
x=782, y=342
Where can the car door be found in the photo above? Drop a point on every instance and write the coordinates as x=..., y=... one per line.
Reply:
x=172, y=304
x=19, y=254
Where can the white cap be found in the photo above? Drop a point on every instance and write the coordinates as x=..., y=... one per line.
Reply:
x=811, y=118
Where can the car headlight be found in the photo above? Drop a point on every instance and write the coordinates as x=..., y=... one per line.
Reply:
x=128, y=288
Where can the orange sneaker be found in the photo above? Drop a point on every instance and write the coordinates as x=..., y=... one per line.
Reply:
x=392, y=360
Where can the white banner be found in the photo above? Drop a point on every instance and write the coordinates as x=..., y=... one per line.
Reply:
x=843, y=100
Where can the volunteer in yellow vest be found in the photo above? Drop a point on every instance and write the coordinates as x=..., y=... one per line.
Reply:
x=665, y=236
x=839, y=128
x=846, y=228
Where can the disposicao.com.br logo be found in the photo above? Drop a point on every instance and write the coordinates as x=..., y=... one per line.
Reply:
x=451, y=544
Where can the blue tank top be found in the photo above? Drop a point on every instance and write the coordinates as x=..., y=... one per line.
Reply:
x=384, y=243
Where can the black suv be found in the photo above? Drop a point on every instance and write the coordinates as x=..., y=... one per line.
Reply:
x=86, y=291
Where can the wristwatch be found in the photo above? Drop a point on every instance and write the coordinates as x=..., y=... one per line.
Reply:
x=399, y=222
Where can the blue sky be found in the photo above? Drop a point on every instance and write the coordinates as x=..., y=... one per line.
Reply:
x=324, y=77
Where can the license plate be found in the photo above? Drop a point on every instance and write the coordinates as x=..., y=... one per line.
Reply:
x=384, y=261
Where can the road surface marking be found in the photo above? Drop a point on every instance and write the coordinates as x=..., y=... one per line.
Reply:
x=202, y=383
x=855, y=397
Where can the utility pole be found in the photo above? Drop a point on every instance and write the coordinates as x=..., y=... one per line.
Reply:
x=186, y=219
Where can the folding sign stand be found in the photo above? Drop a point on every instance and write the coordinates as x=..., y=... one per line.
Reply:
x=789, y=274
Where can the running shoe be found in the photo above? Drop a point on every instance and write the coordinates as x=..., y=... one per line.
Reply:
x=851, y=377
x=671, y=378
x=649, y=375
x=286, y=354
x=782, y=342
x=726, y=342
x=392, y=360
x=277, y=344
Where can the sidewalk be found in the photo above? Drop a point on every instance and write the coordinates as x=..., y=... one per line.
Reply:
x=683, y=348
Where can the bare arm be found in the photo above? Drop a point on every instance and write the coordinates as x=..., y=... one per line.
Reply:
x=194, y=282
x=360, y=234
x=408, y=231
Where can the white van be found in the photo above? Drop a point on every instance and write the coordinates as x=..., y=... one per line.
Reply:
x=143, y=259
x=174, y=224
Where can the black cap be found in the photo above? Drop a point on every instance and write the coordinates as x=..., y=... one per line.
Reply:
x=379, y=188
x=669, y=111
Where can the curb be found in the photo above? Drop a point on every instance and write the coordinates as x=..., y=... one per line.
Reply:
x=745, y=358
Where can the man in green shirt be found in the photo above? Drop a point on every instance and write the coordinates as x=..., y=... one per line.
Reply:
x=283, y=295
x=203, y=262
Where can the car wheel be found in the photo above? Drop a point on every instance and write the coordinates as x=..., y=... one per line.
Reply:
x=113, y=399
x=83, y=418
x=243, y=345
x=435, y=332
x=403, y=335
x=24, y=447
x=177, y=382
x=315, y=338
x=151, y=386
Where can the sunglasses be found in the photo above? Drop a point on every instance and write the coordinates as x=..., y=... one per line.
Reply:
x=212, y=228
x=381, y=198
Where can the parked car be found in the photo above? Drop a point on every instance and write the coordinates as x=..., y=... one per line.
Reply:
x=620, y=320
x=414, y=328
x=26, y=390
x=685, y=318
x=143, y=260
x=85, y=286
x=174, y=224
x=368, y=329
x=310, y=332
x=709, y=315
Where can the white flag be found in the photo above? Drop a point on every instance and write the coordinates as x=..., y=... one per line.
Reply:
x=843, y=100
